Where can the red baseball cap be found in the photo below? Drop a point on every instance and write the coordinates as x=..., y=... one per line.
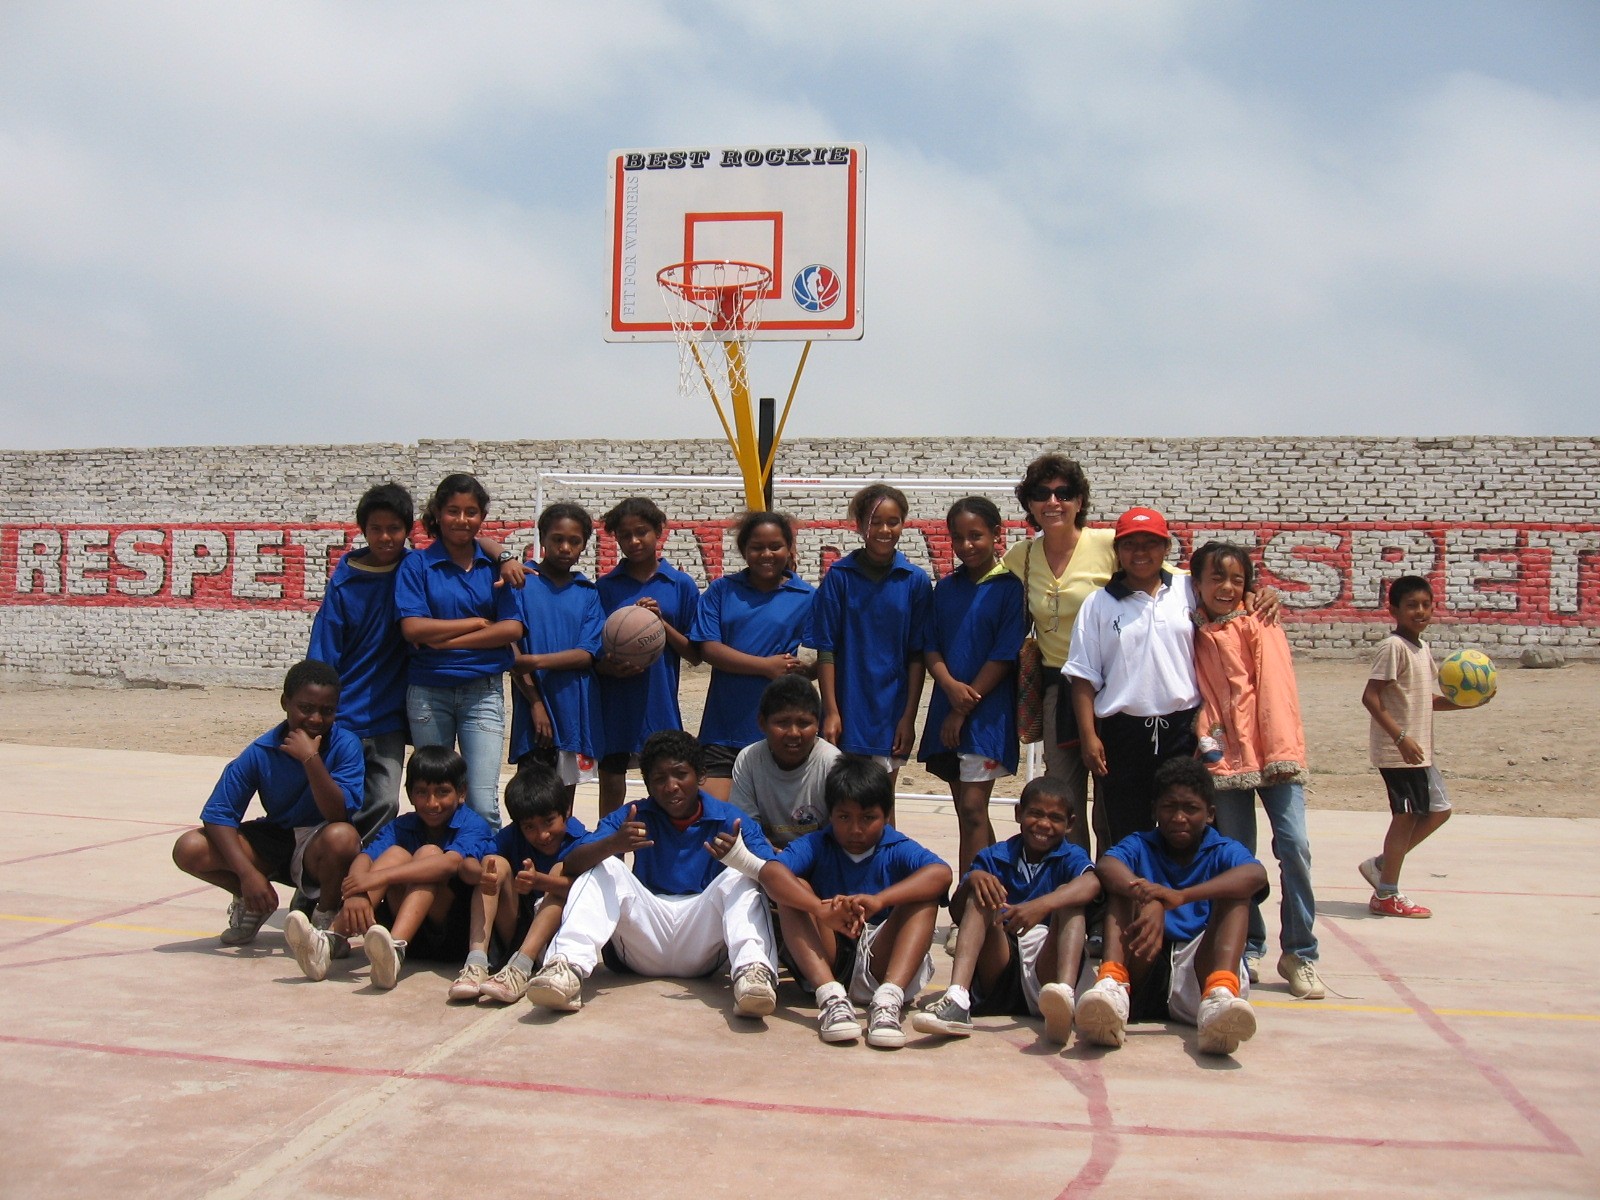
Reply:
x=1141, y=520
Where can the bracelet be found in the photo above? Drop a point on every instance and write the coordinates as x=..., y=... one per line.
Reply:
x=1401, y=738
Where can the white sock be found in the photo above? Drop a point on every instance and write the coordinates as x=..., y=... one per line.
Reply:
x=832, y=990
x=959, y=994
x=889, y=996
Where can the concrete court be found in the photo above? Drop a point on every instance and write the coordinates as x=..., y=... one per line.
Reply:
x=140, y=1058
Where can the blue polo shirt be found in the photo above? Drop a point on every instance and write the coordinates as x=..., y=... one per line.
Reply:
x=632, y=709
x=265, y=770
x=555, y=617
x=510, y=845
x=356, y=633
x=872, y=629
x=1026, y=881
x=822, y=863
x=974, y=624
x=1145, y=854
x=744, y=618
x=468, y=834
x=678, y=864
x=429, y=584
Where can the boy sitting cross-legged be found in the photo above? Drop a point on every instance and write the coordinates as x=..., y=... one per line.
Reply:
x=1179, y=911
x=402, y=896
x=523, y=885
x=680, y=913
x=779, y=780
x=308, y=773
x=1020, y=910
x=857, y=901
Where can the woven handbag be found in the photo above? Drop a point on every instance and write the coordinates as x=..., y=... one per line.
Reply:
x=1030, y=671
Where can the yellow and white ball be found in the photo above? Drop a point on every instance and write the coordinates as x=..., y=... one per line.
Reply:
x=1467, y=678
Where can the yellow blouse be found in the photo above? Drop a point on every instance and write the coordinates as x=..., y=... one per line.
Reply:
x=1054, y=600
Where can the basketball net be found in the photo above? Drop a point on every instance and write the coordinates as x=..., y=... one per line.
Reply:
x=715, y=307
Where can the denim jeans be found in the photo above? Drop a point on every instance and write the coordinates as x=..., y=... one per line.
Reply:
x=471, y=717
x=1286, y=811
x=385, y=753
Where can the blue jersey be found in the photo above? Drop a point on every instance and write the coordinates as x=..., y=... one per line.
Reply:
x=356, y=633
x=510, y=845
x=821, y=861
x=974, y=624
x=751, y=621
x=634, y=708
x=556, y=617
x=1024, y=880
x=872, y=629
x=1145, y=854
x=280, y=780
x=678, y=864
x=466, y=833
x=429, y=584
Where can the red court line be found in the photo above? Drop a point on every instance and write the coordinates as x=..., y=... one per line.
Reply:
x=1439, y=891
x=61, y=958
x=111, y=916
x=138, y=837
x=1104, y=1145
x=22, y=812
x=767, y=1106
x=1530, y=1112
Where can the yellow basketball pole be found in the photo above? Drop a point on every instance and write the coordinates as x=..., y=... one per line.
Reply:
x=777, y=434
x=746, y=448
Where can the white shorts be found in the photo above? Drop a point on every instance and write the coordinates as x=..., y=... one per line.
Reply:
x=1438, y=798
x=311, y=889
x=575, y=768
x=975, y=768
x=888, y=764
x=862, y=983
x=1183, y=990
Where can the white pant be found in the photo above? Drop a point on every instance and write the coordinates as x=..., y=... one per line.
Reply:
x=672, y=936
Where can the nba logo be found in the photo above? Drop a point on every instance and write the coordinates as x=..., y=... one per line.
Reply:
x=816, y=288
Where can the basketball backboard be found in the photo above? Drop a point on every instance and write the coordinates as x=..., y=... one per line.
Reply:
x=798, y=211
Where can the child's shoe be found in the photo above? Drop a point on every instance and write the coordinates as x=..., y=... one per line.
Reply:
x=1225, y=1020
x=1372, y=871
x=557, y=986
x=1396, y=905
x=1252, y=967
x=952, y=938
x=837, y=1020
x=469, y=984
x=1304, y=982
x=309, y=945
x=755, y=990
x=883, y=1026
x=386, y=956
x=506, y=986
x=1102, y=1016
x=945, y=1017
x=1056, y=1007
x=243, y=925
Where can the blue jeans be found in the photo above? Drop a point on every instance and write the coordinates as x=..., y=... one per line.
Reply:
x=471, y=717
x=1286, y=811
x=385, y=753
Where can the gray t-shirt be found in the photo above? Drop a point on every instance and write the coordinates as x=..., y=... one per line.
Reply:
x=788, y=804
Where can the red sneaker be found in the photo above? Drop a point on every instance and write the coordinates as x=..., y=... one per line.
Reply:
x=1396, y=906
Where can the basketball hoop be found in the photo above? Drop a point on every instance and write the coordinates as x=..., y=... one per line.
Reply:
x=713, y=303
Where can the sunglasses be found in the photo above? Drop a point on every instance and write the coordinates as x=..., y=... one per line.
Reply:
x=1062, y=494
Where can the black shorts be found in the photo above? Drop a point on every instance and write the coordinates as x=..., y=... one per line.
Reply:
x=445, y=941
x=1148, y=999
x=618, y=764
x=547, y=756
x=1006, y=998
x=273, y=846
x=845, y=950
x=1408, y=789
x=945, y=765
x=719, y=761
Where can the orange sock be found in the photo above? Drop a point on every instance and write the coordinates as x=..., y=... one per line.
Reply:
x=1115, y=970
x=1218, y=979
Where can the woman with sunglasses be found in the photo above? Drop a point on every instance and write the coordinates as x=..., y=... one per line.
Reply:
x=1060, y=568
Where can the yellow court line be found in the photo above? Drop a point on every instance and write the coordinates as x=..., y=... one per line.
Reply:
x=1308, y=1005
x=109, y=925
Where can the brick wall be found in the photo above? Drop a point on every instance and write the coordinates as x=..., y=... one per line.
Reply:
x=206, y=563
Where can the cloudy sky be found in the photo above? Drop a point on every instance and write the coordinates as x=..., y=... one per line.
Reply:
x=304, y=222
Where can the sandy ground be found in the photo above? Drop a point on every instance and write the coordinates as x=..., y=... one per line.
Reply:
x=1531, y=753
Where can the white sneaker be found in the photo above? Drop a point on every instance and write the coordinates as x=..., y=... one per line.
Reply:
x=1102, y=1016
x=1252, y=967
x=506, y=986
x=1225, y=1020
x=557, y=986
x=243, y=925
x=952, y=938
x=837, y=1020
x=883, y=1027
x=1056, y=1007
x=309, y=945
x=469, y=984
x=1371, y=872
x=1304, y=982
x=385, y=954
x=755, y=990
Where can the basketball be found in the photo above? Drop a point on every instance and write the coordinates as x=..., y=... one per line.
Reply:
x=633, y=635
x=1467, y=678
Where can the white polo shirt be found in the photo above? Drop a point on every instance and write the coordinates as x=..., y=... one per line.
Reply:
x=1137, y=649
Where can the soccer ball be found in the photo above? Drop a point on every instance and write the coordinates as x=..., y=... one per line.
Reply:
x=1467, y=678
